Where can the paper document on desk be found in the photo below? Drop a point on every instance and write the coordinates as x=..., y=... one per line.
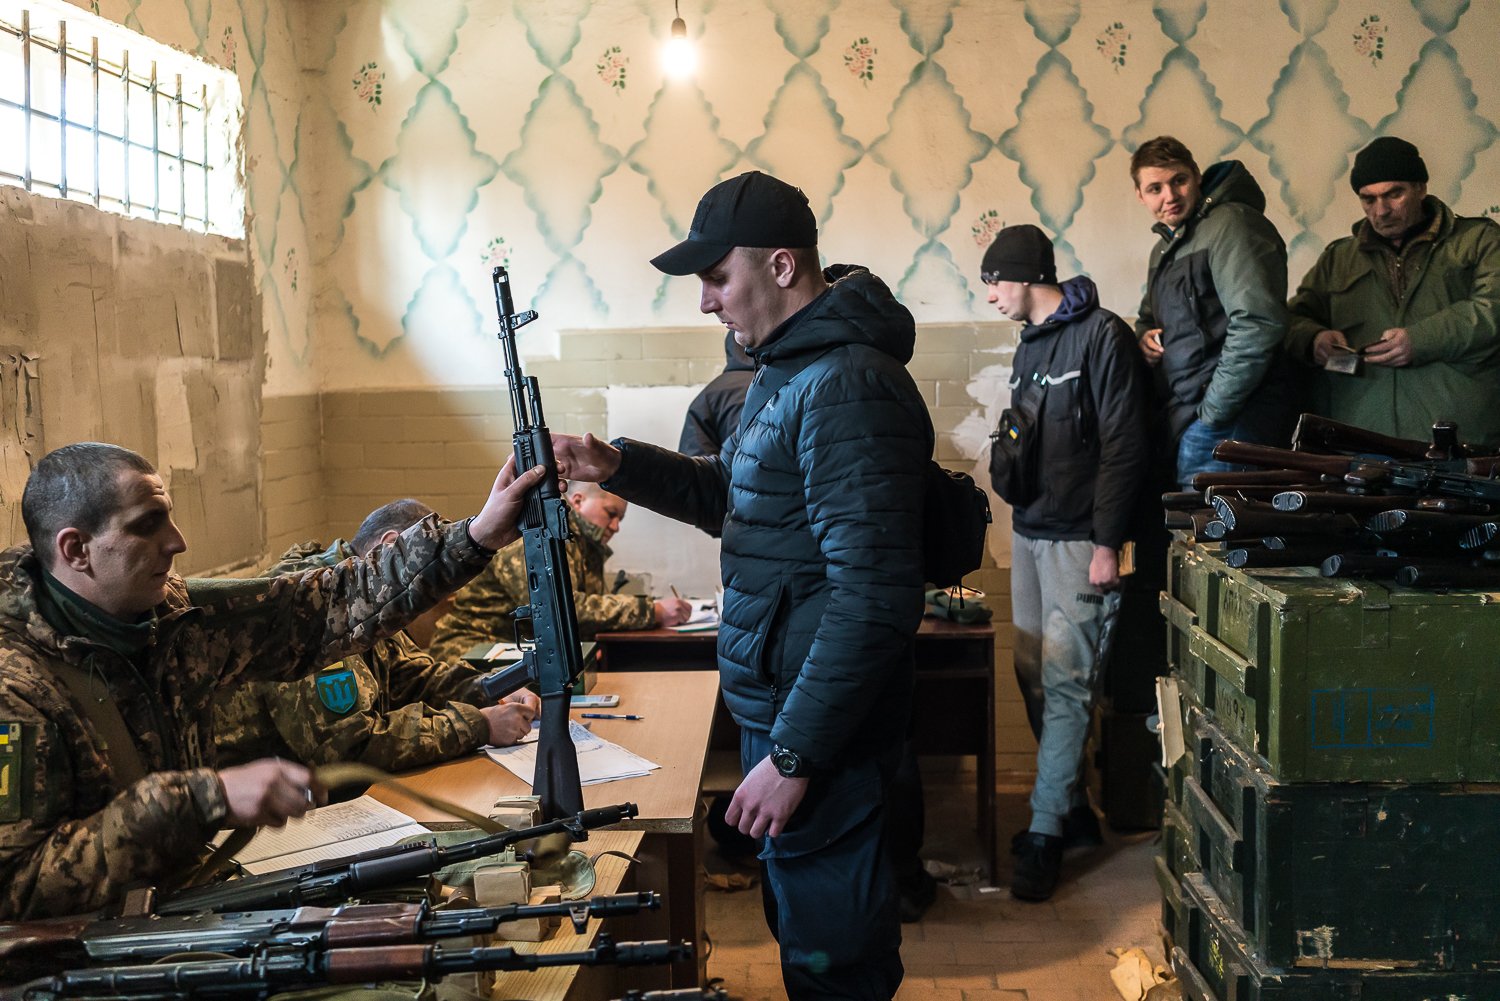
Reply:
x=503, y=652
x=598, y=759
x=325, y=833
x=705, y=616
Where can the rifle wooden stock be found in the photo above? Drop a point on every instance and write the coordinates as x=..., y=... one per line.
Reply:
x=1182, y=500
x=1255, y=478
x=1487, y=466
x=1417, y=524
x=1258, y=558
x=1334, y=501
x=1269, y=457
x=1321, y=434
x=1251, y=519
x=1448, y=575
x=1243, y=493
x=1361, y=565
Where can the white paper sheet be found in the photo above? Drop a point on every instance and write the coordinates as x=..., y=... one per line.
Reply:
x=327, y=832
x=598, y=759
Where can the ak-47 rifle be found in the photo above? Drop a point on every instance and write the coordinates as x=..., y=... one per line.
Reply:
x=1442, y=478
x=553, y=662
x=40, y=946
x=268, y=973
x=333, y=881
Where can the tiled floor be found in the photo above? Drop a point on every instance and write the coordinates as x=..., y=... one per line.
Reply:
x=980, y=946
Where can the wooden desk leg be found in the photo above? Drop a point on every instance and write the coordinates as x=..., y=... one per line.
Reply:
x=672, y=865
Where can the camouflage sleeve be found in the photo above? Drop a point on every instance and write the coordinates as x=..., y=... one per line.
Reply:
x=335, y=715
x=288, y=626
x=608, y=613
x=51, y=864
x=482, y=610
x=413, y=675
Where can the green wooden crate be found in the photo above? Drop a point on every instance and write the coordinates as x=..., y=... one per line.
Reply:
x=1215, y=962
x=1357, y=874
x=1174, y=906
x=1337, y=681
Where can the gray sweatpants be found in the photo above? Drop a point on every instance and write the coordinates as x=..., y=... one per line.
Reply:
x=1059, y=617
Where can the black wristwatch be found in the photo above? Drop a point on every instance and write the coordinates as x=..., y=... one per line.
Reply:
x=788, y=762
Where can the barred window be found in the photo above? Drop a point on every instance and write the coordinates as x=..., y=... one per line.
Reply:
x=94, y=112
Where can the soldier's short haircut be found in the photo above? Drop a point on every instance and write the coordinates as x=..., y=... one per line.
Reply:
x=76, y=486
x=398, y=514
x=1163, y=151
x=583, y=487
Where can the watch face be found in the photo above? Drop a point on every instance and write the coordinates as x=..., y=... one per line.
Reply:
x=787, y=762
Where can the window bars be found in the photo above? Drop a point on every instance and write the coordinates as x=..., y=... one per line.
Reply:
x=95, y=130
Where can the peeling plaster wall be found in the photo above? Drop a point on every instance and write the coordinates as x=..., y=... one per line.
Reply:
x=141, y=334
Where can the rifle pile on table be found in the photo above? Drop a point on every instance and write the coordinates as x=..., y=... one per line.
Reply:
x=255, y=937
x=1353, y=503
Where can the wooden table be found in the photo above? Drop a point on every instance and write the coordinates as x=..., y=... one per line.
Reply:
x=953, y=706
x=577, y=983
x=678, y=711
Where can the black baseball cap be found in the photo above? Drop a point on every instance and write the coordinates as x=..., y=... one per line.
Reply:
x=751, y=210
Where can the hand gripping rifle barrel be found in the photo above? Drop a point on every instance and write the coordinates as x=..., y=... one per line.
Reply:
x=265, y=974
x=334, y=881
x=554, y=661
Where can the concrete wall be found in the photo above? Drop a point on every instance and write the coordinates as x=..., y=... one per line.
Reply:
x=140, y=334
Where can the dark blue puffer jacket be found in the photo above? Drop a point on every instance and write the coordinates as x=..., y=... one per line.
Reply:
x=820, y=499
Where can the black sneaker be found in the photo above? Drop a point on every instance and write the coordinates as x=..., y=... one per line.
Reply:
x=1038, y=864
x=1080, y=830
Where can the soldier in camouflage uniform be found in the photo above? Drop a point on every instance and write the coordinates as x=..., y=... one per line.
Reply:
x=98, y=636
x=392, y=707
x=482, y=610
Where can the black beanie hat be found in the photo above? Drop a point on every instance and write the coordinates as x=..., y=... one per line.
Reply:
x=1388, y=159
x=1019, y=254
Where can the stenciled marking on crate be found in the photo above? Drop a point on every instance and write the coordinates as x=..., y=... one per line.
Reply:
x=1368, y=718
x=1317, y=943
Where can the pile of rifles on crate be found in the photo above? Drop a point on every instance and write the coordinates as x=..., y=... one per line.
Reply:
x=1354, y=503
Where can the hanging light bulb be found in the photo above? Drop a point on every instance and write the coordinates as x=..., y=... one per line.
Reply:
x=678, y=56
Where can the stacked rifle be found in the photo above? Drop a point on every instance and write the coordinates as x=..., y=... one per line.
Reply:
x=264, y=935
x=1353, y=503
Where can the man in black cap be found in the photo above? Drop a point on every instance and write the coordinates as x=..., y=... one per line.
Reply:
x=1414, y=294
x=819, y=497
x=1079, y=379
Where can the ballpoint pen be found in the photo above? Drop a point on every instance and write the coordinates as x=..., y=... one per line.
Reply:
x=610, y=716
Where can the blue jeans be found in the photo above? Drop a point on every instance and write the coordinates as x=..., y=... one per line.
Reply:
x=829, y=894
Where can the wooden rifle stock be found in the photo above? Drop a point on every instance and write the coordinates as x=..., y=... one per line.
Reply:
x=1302, y=500
x=1269, y=457
x=1255, y=478
x=1251, y=519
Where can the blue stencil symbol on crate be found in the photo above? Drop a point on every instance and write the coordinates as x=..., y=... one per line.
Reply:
x=1355, y=718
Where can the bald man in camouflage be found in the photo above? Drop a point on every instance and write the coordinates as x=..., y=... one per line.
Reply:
x=482, y=611
x=393, y=706
x=109, y=661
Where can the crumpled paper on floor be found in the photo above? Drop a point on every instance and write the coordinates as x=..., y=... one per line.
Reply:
x=1134, y=975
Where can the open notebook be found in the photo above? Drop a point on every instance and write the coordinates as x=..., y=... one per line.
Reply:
x=327, y=832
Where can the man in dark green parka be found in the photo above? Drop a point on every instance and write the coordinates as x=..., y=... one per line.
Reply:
x=1415, y=291
x=819, y=496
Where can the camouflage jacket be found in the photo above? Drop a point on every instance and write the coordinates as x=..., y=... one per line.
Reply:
x=73, y=836
x=392, y=706
x=482, y=611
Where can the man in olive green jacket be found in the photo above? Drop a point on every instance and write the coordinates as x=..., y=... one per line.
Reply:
x=1415, y=292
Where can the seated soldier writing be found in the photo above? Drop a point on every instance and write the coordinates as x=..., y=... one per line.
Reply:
x=482, y=611
x=392, y=706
